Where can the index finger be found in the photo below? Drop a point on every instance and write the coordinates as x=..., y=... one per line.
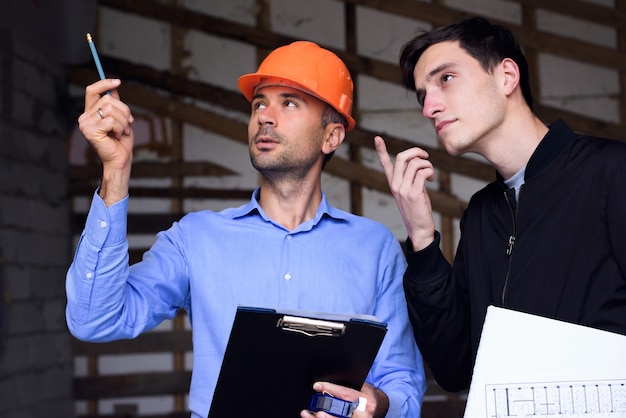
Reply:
x=383, y=156
x=94, y=91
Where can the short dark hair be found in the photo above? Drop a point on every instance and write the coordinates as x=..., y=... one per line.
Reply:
x=331, y=115
x=488, y=43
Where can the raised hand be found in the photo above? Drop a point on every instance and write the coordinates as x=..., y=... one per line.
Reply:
x=106, y=125
x=407, y=182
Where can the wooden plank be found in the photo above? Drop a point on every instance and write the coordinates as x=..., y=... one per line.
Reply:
x=440, y=158
x=127, y=415
x=135, y=254
x=361, y=137
x=450, y=408
x=583, y=124
x=219, y=124
x=222, y=125
x=176, y=84
x=376, y=180
x=252, y=35
x=187, y=18
x=440, y=15
x=157, y=170
x=148, y=342
x=582, y=10
x=144, y=223
x=87, y=188
x=133, y=384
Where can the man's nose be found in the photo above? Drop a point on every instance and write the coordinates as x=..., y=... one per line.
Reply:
x=432, y=105
x=267, y=116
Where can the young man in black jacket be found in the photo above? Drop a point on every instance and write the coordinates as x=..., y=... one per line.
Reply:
x=547, y=237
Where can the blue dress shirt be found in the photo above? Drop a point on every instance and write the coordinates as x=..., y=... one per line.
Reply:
x=209, y=262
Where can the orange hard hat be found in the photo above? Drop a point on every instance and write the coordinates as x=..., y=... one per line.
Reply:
x=305, y=66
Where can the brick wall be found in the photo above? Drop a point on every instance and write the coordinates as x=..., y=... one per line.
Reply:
x=35, y=246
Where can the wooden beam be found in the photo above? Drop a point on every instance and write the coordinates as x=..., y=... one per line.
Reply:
x=581, y=10
x=375, y=180
x=138, y=223
x=151, y=223
x=440, y=15
x=583, y=124
x=251, y=35
x=360, y=137
x=222, y=125
x=156, y=170
x=165, y=80
x=87, y=189
x=133, y=384
x=178, y=414
x=148, y=342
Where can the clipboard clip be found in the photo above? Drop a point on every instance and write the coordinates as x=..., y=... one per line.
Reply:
x=311, y=327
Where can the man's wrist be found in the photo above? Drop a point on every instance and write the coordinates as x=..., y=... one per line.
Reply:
x=114, y=187
x=382, y=403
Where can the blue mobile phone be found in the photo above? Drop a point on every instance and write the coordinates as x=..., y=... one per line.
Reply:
x=331, y=405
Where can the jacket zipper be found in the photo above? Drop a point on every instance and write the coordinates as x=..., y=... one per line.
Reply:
x=510, y=243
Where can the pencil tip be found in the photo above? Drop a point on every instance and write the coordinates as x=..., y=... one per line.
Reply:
x=88, y=37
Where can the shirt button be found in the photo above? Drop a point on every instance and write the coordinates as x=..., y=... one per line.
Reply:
x=287, y=276
x=103, y=224
x=89, y=275
x=288, y=236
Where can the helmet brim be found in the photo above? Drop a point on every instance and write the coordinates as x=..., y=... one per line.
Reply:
x=249, y=83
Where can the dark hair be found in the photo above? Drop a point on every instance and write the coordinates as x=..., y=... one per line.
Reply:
x=331, y=115
x=489, y=44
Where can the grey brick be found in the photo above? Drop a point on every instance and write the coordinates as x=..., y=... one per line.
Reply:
x=54, y=187
x=34, y=81
x=46, y=120
x=15, y=212
x=32, y=147
x=53, y=313
x=24, y=318
x=22, y=109
x=48, y=283
x=17, y=282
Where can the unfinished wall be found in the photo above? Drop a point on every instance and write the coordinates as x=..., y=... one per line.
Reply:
x=383, y=107
x=35, y=356
x=36, y=366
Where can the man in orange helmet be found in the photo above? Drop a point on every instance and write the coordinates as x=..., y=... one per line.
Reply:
x=285, y=249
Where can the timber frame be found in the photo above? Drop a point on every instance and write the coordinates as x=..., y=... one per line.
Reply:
x=166, y=93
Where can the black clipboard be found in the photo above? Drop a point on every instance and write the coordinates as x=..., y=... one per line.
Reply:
x=273, y=358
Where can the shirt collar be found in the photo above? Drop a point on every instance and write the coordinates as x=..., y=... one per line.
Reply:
x=252, y=207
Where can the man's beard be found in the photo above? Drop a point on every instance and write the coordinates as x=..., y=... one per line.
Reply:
x=281, y=166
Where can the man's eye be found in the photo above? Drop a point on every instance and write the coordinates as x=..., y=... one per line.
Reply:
x=445, y=78
x=290, y=103
x=258, y=105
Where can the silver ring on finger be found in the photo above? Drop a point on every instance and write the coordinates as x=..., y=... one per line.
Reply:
x=100, y=113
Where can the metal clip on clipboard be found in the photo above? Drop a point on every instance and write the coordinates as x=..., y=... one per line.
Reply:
x=311, y=327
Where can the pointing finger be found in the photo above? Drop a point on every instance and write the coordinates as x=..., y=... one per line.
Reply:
x=383, y=156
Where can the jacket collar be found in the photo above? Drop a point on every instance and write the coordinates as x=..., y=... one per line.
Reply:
x=558, y=137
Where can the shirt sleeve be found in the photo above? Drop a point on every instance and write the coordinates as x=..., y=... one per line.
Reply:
x=398, y=370
x=104, y=301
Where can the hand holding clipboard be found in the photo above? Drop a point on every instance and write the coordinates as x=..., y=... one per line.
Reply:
x=288, y=352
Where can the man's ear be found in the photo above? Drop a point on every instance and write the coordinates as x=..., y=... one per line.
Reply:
x=511, y=75
x=334, y=133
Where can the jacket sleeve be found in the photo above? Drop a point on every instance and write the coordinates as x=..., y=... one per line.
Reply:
x=439, y=316
x=616, y=208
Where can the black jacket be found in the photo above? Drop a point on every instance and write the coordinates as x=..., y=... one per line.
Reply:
x=567, y=259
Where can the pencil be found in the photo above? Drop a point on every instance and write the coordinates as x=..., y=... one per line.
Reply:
x=96, y=58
